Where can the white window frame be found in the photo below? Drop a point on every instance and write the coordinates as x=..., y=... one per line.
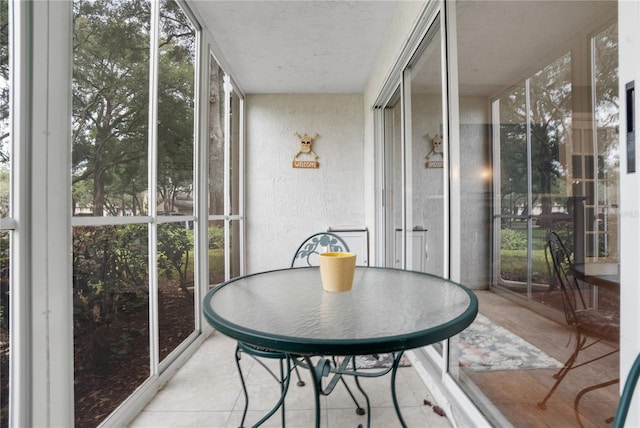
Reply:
x=228, y=217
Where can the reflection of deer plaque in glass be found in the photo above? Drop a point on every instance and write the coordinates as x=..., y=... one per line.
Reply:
x=435, y=158
x=306, y=151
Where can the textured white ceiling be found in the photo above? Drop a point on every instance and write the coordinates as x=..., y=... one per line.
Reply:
x=298, y=46
x=320, y=46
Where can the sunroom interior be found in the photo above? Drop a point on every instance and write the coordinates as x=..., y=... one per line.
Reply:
x=447, y=137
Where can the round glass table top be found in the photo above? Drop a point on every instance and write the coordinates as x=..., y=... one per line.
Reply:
x=386, y=310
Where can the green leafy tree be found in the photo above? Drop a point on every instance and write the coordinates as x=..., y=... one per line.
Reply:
x=110, y=277
x=110, y=97
x=175, y=243
x=549, y=112
x=176, y=90
x=216, y=139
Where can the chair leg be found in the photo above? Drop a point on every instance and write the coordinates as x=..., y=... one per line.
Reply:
x=394, y=372
x=300, y=381
x=359, y=410
x=563, y=371
x=576, y=403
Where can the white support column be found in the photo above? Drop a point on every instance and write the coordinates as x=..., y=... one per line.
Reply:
x=48, y=217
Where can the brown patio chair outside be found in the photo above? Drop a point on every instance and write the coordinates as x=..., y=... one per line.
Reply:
x=590, y=325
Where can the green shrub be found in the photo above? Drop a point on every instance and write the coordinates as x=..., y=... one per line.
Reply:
x=513, y=239
x=216, y=237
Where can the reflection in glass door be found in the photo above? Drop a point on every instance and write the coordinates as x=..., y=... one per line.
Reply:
x=535, y=120
x=414, y=163
x=425, y=177
x=555, y=172
x=535, y=142
x=541, y=123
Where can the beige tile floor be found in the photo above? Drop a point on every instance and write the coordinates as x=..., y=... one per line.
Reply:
x=206, y=392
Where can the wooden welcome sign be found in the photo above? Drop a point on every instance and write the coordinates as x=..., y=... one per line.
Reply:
x=306, y=151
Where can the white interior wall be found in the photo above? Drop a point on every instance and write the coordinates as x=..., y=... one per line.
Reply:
x=284, y=205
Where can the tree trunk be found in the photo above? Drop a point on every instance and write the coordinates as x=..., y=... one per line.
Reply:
x=216, y=142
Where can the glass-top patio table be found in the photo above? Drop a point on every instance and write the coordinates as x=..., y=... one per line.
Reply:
x=387, y=310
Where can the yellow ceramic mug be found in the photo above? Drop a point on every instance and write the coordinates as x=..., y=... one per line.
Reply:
x=336, y=271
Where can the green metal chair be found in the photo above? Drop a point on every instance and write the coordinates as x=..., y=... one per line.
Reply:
x=316, y=244
x=627, y=395
x=306, y=255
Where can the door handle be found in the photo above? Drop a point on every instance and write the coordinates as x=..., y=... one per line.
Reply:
x=631, y=126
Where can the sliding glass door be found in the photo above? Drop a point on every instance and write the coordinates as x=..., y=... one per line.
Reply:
x=537, y=113
x=415, y=159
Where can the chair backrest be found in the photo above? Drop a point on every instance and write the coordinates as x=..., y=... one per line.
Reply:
x=572, y=297
x=322, y=242
x=627, y=394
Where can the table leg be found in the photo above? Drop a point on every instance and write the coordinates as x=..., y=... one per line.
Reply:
x=244, y=387
x=316, y=387
x=396, y=363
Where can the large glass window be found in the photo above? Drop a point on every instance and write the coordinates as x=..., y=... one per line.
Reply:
x=235, y=194
x=217, y=98
x=134, y=282
x=110, y=107
x=110, y=178
x=175, y=184
x=111, y=317
x=225, y=172
x=134, y=195
x=5, y=212
x=538, y=151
